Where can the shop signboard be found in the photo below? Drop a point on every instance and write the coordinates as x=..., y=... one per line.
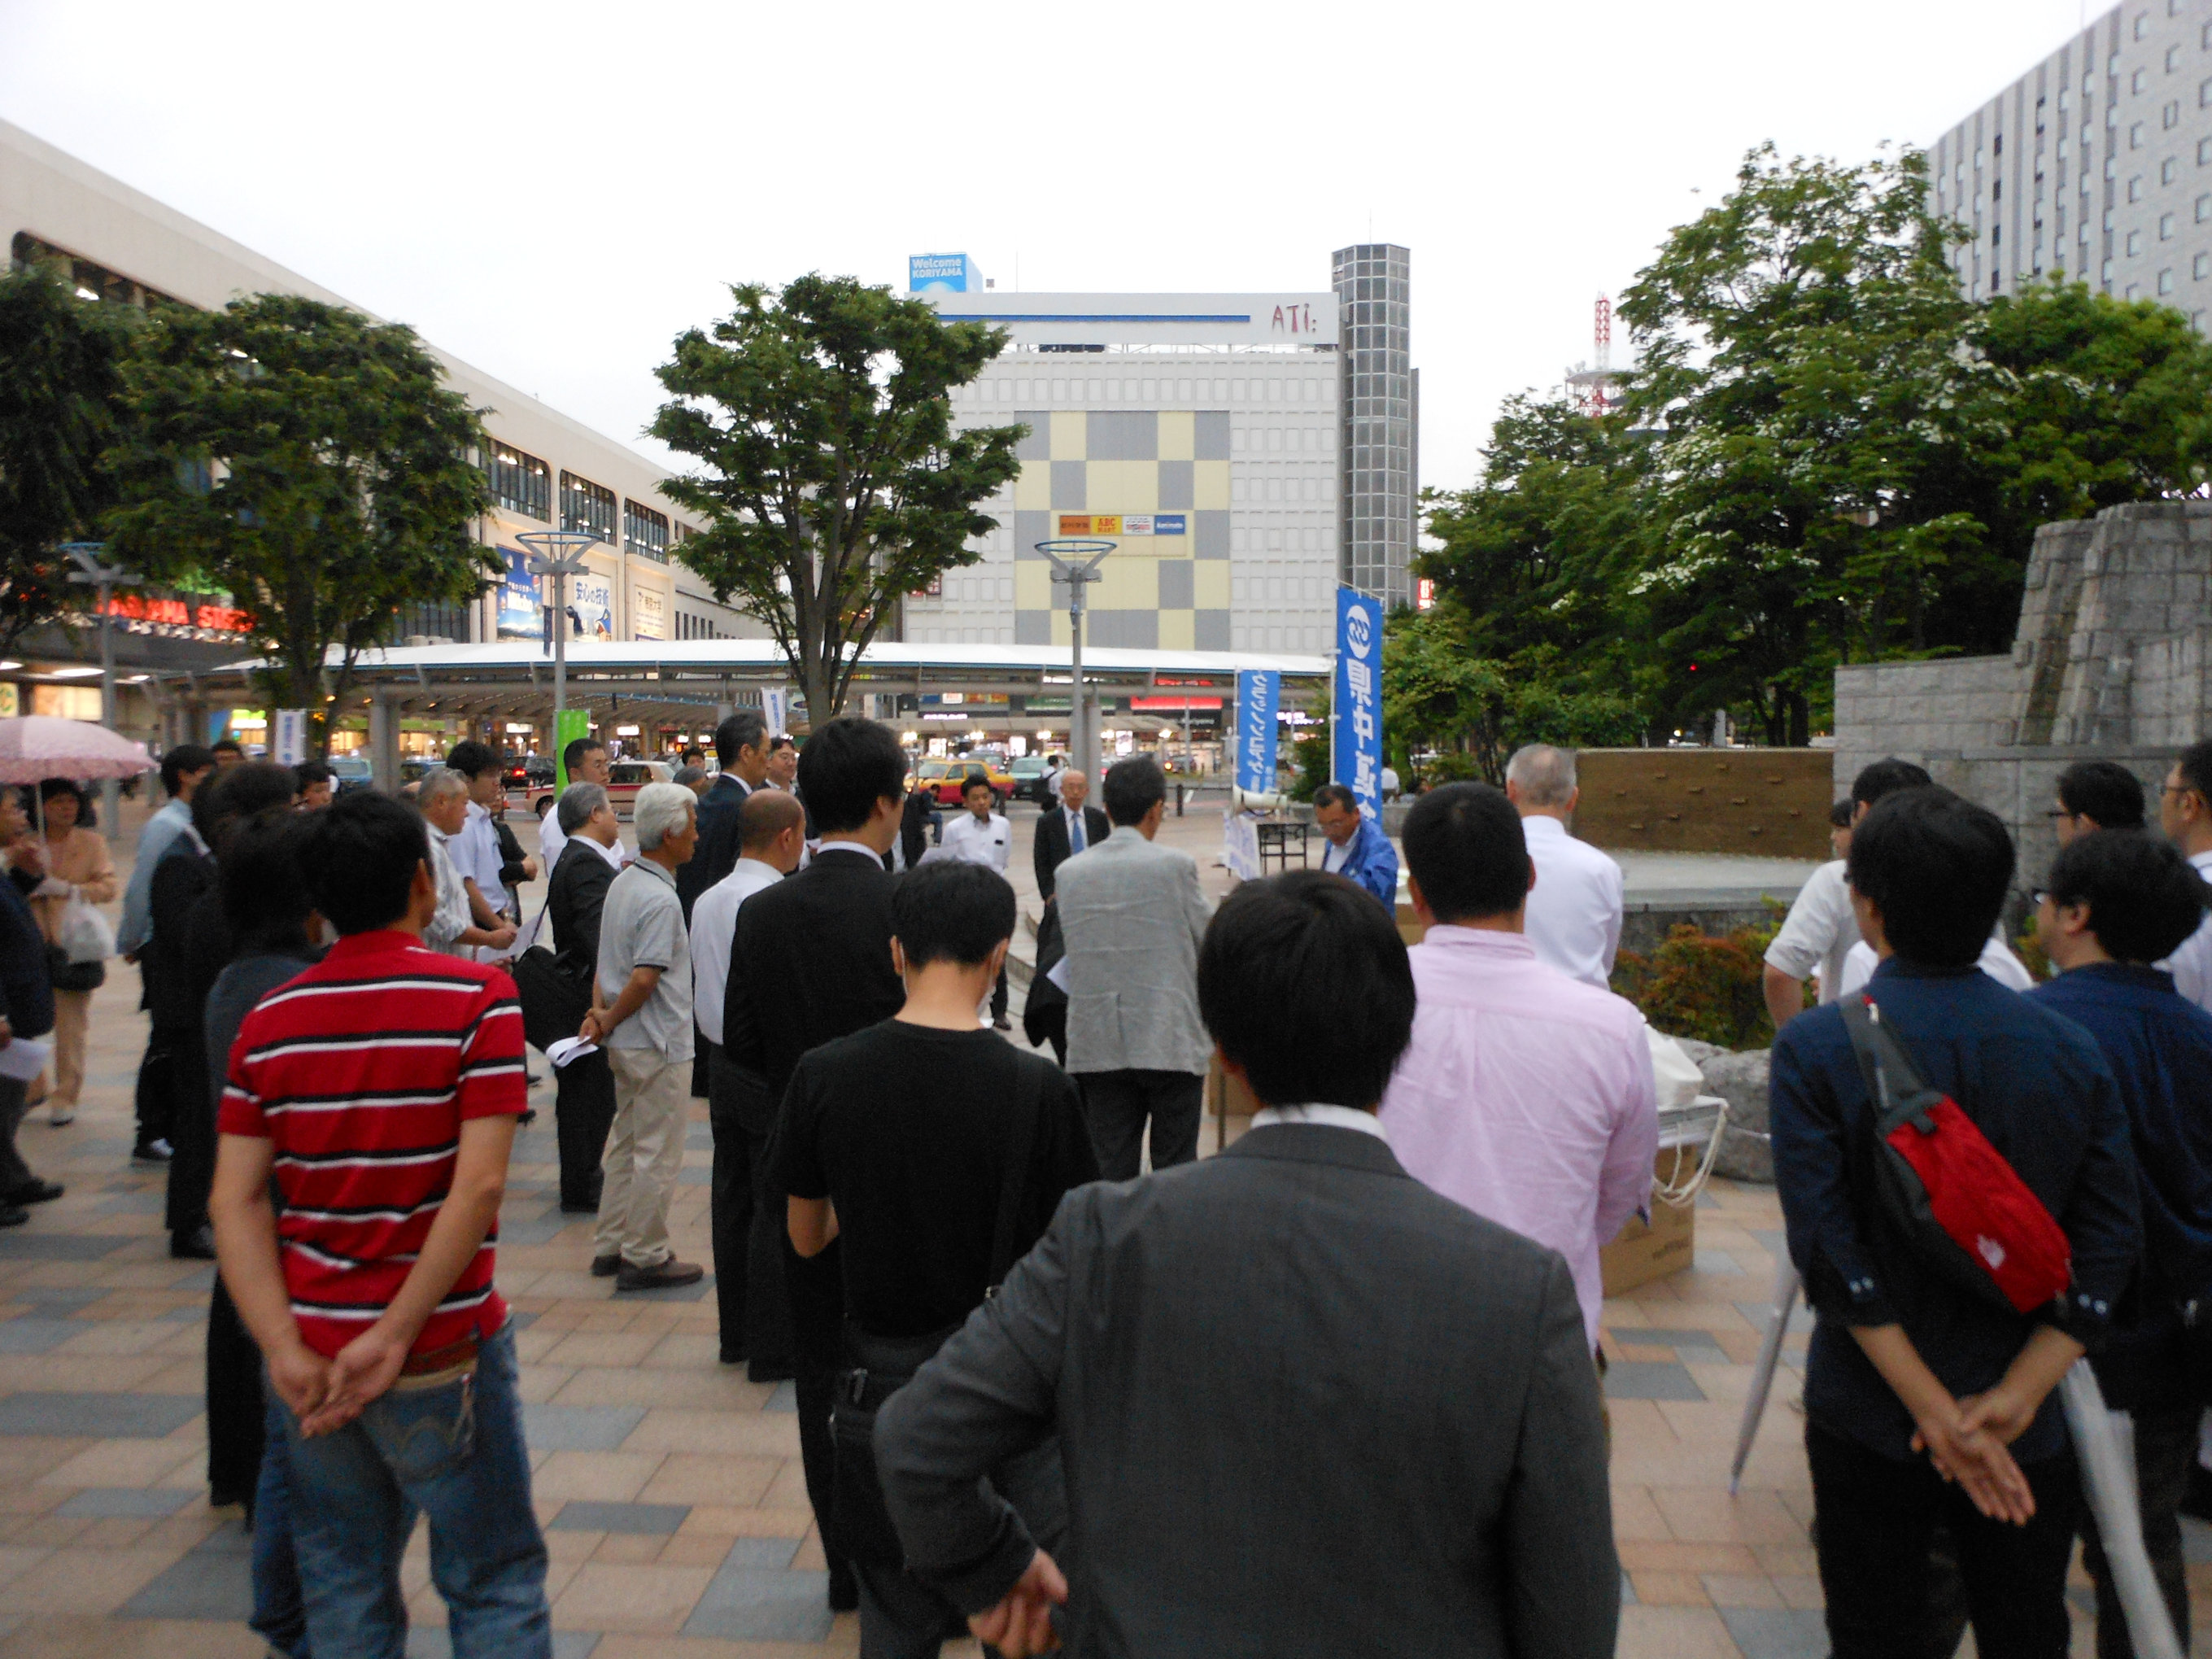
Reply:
x=591, y=605
x=648, y=614
x=521, y=617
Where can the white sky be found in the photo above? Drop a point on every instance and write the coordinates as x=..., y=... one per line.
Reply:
x=552, y=191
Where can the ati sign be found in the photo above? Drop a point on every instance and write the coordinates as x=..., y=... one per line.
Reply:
x=1296, y=318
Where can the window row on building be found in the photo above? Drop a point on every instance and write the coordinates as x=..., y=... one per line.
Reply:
x=1319, y=391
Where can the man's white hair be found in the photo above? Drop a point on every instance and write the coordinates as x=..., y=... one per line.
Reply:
x=1544, y=776
x=438, y=782
x=661, y=809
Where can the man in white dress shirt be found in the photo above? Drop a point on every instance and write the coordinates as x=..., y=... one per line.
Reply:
x=586, y=761
x=982, y=835
x=2185, y=813
x=475, y=851
x=1821, y=928
x=1573, y=916
x=748, y=1271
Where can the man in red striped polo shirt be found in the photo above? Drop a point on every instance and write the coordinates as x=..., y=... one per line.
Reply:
x=379, y=1090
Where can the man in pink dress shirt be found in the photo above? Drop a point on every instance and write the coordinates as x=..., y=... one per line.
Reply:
x=1526, y=1095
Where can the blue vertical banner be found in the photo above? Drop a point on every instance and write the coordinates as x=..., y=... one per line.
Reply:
x=1258, y=694
x=1356, y=705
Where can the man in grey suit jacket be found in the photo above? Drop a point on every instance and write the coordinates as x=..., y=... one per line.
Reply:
x=1131, y=916
x=1306, y=1404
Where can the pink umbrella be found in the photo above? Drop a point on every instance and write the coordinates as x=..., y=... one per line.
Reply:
x=33, y=747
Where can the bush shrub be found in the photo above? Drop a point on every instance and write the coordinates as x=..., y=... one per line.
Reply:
x=1697, y=985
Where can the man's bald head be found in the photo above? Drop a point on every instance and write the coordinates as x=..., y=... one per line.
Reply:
x=1074, y=790
x=766, y=814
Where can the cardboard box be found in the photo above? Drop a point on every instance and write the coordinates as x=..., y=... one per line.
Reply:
x=1649, y=1250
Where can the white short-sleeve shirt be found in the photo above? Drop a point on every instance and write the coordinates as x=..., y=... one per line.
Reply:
x=1819, y=932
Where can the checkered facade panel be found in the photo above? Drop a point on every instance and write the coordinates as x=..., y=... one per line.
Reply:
x=1112, y=475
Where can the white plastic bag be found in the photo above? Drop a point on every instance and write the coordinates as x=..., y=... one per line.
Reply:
x=85, y=935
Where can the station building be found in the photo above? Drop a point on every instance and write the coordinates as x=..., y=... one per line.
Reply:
x=1203, y=434
x=118, y=245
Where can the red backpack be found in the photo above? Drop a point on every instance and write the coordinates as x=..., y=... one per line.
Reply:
x=1966, y=1211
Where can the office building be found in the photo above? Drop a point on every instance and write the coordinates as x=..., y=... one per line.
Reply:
x=1381, y=402
x=2097, y=162
x=546, y=470
x=1202, y=433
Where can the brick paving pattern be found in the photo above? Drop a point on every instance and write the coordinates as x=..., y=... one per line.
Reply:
x=670, y=1487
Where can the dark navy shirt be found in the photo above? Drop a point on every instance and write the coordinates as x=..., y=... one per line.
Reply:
x=2158, y=1045
x=2037, y=1086
x=26, y=993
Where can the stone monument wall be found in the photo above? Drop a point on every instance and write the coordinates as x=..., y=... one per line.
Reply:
x=2113, y=660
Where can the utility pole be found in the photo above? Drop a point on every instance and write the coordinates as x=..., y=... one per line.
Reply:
x=103, y=580
x=1076, y=563
x=558, y=553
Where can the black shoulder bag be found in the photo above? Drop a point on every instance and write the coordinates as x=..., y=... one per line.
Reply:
x=878, y=1367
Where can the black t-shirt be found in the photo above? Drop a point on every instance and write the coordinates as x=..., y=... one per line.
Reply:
x=905, y=1130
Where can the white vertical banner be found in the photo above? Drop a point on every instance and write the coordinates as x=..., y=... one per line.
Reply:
x=776, y=709
x=287, y=738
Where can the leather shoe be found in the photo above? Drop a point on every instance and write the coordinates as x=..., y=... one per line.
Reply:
x=769, y=1371
x=605, y=1266
x=13, y=1215
x=197, y=1245
x=669, y=1275
x=1002, y=1023
x=34, y=1191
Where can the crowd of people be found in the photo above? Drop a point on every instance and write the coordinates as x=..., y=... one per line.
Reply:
x=1336, y=1391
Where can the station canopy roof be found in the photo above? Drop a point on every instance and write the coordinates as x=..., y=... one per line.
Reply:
x=519, y=673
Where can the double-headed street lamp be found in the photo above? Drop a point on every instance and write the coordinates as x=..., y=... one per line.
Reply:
x=103, y=580
x=1076, y=562
x=558, y=553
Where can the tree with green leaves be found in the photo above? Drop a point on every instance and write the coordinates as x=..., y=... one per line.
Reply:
x=61, y=384
x=1440, y=692
x=1849, y=457
x=1799, y=359
x=830, y=476
x=312, y=463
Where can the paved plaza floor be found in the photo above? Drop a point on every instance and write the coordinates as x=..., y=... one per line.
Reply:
x=671, y=1487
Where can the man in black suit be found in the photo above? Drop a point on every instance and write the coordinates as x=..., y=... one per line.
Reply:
x=741, y=747
x=812, y=961
x=1064, y=831
x=1065, y=828
x=584, y=1103
x=1292, y=1358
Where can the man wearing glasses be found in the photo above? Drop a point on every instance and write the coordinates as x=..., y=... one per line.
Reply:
x=2185, y=813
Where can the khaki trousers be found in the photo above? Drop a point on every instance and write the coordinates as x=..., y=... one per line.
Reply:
x=645, y=1153
x=72, y=1022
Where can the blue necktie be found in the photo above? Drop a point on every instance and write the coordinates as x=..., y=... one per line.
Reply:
x=1074, y=833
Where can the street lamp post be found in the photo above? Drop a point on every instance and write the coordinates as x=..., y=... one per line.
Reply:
x=103, y=580
x=558, y=553
x=1076, y=562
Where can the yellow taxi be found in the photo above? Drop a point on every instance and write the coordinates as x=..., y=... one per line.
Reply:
x=945, y=778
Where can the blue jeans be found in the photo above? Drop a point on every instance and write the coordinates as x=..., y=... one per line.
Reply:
x=280, y=1614
x=455, y=1453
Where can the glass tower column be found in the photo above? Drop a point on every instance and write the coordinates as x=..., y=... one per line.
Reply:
x=1374, y=313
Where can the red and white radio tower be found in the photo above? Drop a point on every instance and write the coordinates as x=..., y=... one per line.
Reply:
x=1593, y=390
